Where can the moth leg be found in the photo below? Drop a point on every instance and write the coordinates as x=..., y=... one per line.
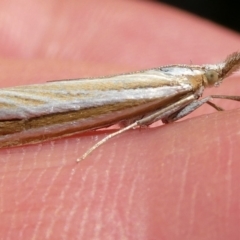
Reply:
x=148, y=119
x=234, y=98
x=196, y=104
x=170, y=113
x=214, y=106
x=186, y=110
x=162, y=113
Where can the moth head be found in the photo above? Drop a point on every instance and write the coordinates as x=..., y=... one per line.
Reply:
x=212, y=78
x=216, y=73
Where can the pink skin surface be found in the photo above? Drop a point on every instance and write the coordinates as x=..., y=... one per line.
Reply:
x=178, y=181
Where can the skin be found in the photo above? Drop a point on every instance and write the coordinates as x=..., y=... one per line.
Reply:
x=178, y=181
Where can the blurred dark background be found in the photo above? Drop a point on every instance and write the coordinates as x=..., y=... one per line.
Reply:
x=224, y=12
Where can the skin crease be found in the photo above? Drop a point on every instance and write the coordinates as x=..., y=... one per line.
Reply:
x=179, y=181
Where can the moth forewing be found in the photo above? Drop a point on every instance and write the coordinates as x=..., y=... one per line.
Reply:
x=36, y=113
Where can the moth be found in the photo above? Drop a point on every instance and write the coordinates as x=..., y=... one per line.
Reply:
x=35, y=113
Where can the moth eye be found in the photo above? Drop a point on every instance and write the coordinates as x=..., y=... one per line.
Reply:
x=212, y=77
